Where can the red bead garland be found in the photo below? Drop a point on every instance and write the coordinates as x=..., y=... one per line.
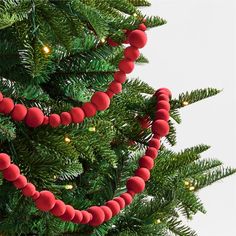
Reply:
x=100, y=101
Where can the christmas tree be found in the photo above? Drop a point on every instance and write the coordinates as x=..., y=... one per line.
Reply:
x=56, y=56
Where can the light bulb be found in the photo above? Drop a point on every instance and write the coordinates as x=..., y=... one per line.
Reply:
x=158, y=221
x=68, y=186
x=67, y=139
x=46, y=49
x=192, y=188
x=185, y=103
x=92, y=129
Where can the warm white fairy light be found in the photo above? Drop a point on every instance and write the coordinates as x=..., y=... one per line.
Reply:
x=46, y=49
x=185, y=103
x=67, y=139
x=68, y=186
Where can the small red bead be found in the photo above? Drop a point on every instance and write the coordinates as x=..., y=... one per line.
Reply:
x=164, y=97
x=45, y=120
x=29, y=190
x=21, y=182
x=110, y=93
x=86, y=217
x=6, y=105
x=115, y=87
x=112, y=43
x=163, y=105
x=77, y=115
x=131, y=53
x=5, y=161
x=1, y=96
x=126, y=66
x=34, y=117
x=69, y=214
x=89, y=109
x=78, y=217
x=12, y=173
x=45, y=201
x=54, y=120
x=107, y=212
x=36, y=195
x=162, y=114
x=154, y=142
x=66, y=118
x=143, y=173
x=121, y=202
x=127, y=197
x=59, y=208
x=142, y=27
x=152, y=152
x=120, y=76
x=146, y=162
x=114, y=206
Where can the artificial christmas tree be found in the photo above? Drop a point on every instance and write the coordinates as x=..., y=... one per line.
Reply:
x=69, y=114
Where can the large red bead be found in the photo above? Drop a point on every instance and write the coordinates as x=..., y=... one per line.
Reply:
x=152, y=152
x=135, y=184
x=162, y=114
x=154, y=142
x=19, y=112
x=100, y=100
x=120, y=76
x=66, y=118
x=138, y=38
x=98, y=216
x=45, y=201
x=21, y=182
x=163, y=105
x=160, y=127
x=54, y=120
x=34, y=117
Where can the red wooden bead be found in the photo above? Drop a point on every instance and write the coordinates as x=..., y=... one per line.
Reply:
x=132, y=53
x=34, y=117
x=164, y=97
x=86, y=217
x=59, y=208
x=146, y=162
x=138, y=38
x=29, y=190
x=165, y=91
x=107, y=212
x=163, y=105
x=69, y=214
x=98, y=215
x=121, y=202
x=160, y=127
x=45, y=120
x=21, y=182
x=78, y=217
x=154, y=142
x=45, y=201
x=143, y=173
x=66, y=118
x=100, y=100
x=5, y=161
x=89, y=109
x=19, y=112
x=110, y=93
x=77, y=115
x=12, y=173
x=142, y=27
x=36, y=195
x=115, y=87
x=162, y=114
x=152, y=152
x=54, y=120
x=6, y=105
x=114, y=206
x=135, y=184
x=120, y=76
x=127, y=197
x=126, y=66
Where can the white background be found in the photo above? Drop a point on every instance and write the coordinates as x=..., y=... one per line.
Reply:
x=196, y=49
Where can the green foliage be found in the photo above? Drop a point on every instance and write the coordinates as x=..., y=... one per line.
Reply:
x=102, y=152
